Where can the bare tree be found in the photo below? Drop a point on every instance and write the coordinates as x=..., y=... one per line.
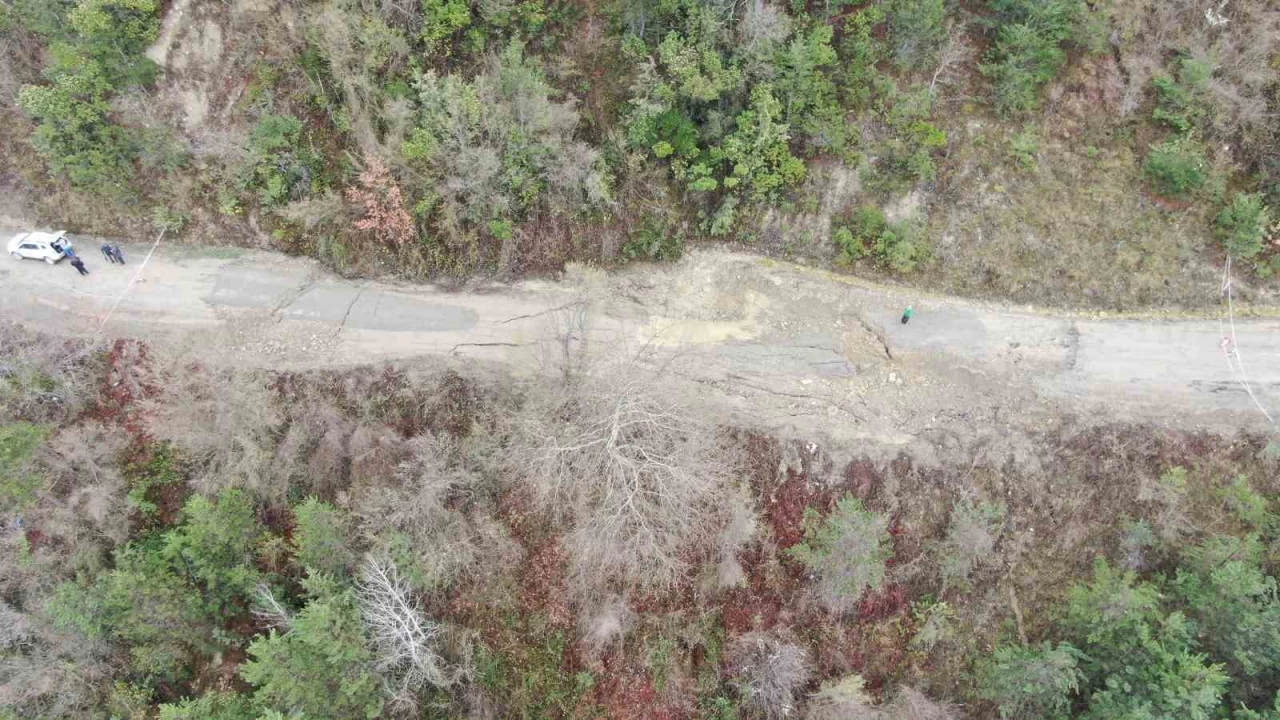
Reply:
x=970, y=540
x=604, y=625
x=422, y=503
x=955, y=53
x=739, y=529
x=222, y=418
x=1166, y=496
x=911, y=704
x=406, y=642
x=631, y=470
x=45, y=673
x=846, y=699
x=268, y=610
x=769, y=673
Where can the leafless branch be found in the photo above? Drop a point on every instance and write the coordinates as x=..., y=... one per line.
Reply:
x=769, y=673
x=406, y=641
x=629, y=468
x=955, y=51
x=269, y=610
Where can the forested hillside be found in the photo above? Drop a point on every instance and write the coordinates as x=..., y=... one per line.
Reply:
x=187, y=541
x=1106, y=154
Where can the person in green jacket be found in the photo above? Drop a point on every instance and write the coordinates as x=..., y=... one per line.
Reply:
x=906, y=314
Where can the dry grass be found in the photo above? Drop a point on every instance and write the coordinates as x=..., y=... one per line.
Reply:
x=44, y=377
x=1074, y=231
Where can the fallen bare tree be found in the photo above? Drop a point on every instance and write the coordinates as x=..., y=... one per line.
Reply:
x=769, y=673
x=848, y=700
x=408, y=654
x=632, y=470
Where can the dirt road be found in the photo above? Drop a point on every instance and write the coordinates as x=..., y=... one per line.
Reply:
x=778, y=343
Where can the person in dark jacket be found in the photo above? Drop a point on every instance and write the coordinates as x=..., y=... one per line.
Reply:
x=115, y=251
x=107, y=253
x=78, y=264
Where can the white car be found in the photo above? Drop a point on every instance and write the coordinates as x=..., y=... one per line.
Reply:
x=49, y=247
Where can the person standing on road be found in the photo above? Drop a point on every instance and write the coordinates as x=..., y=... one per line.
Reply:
x=906, y=315
x=115, y=250
x=107, y=253
x=78, y=264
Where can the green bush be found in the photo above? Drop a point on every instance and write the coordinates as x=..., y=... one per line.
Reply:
x=166, y=595
x=724, y=116
x=902, y=245
x=441, y=19
x=533, y=680
x=1031, y=682
x=215, y=545
x=861, y=50
x=1237, y=614
x=1139, y=659
x=1176, y=167
x=898, y=246
x=654, y=239
x=98, y=50
x=45, y=18
x=494, y=148
x=280, y=166
x=1180, y=103
x=115, y=34
x=74, y=134
x=917, y=30
x=804, y=84
x=856, y=236
x=1242, y=225
x=1058, y=20
x=322, y=537
x=757, y=153
x=146, y=604
x=18, y=482
x=1023, y=148
x=214, y=705
x=906, y=158
x=1020, y=63
x=846, y=552
x=1028, y=49
x=320, y=667
x=147, y=480
x=1246, y=504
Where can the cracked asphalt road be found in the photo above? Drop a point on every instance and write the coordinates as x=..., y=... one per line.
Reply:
x=775, y=341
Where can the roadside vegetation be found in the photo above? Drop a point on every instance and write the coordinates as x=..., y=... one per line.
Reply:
x=1062, y=152
x=188, y=543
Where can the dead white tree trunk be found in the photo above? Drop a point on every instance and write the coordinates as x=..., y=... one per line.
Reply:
x=405, y=640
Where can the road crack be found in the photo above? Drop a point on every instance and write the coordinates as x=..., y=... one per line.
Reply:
x=484, y=344
x=877, y=333
x=278, y=311
x=347, y=314
x=548, y=311
x=1073, y=346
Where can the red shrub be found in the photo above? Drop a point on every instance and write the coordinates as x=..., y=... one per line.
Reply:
x=384, y=212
